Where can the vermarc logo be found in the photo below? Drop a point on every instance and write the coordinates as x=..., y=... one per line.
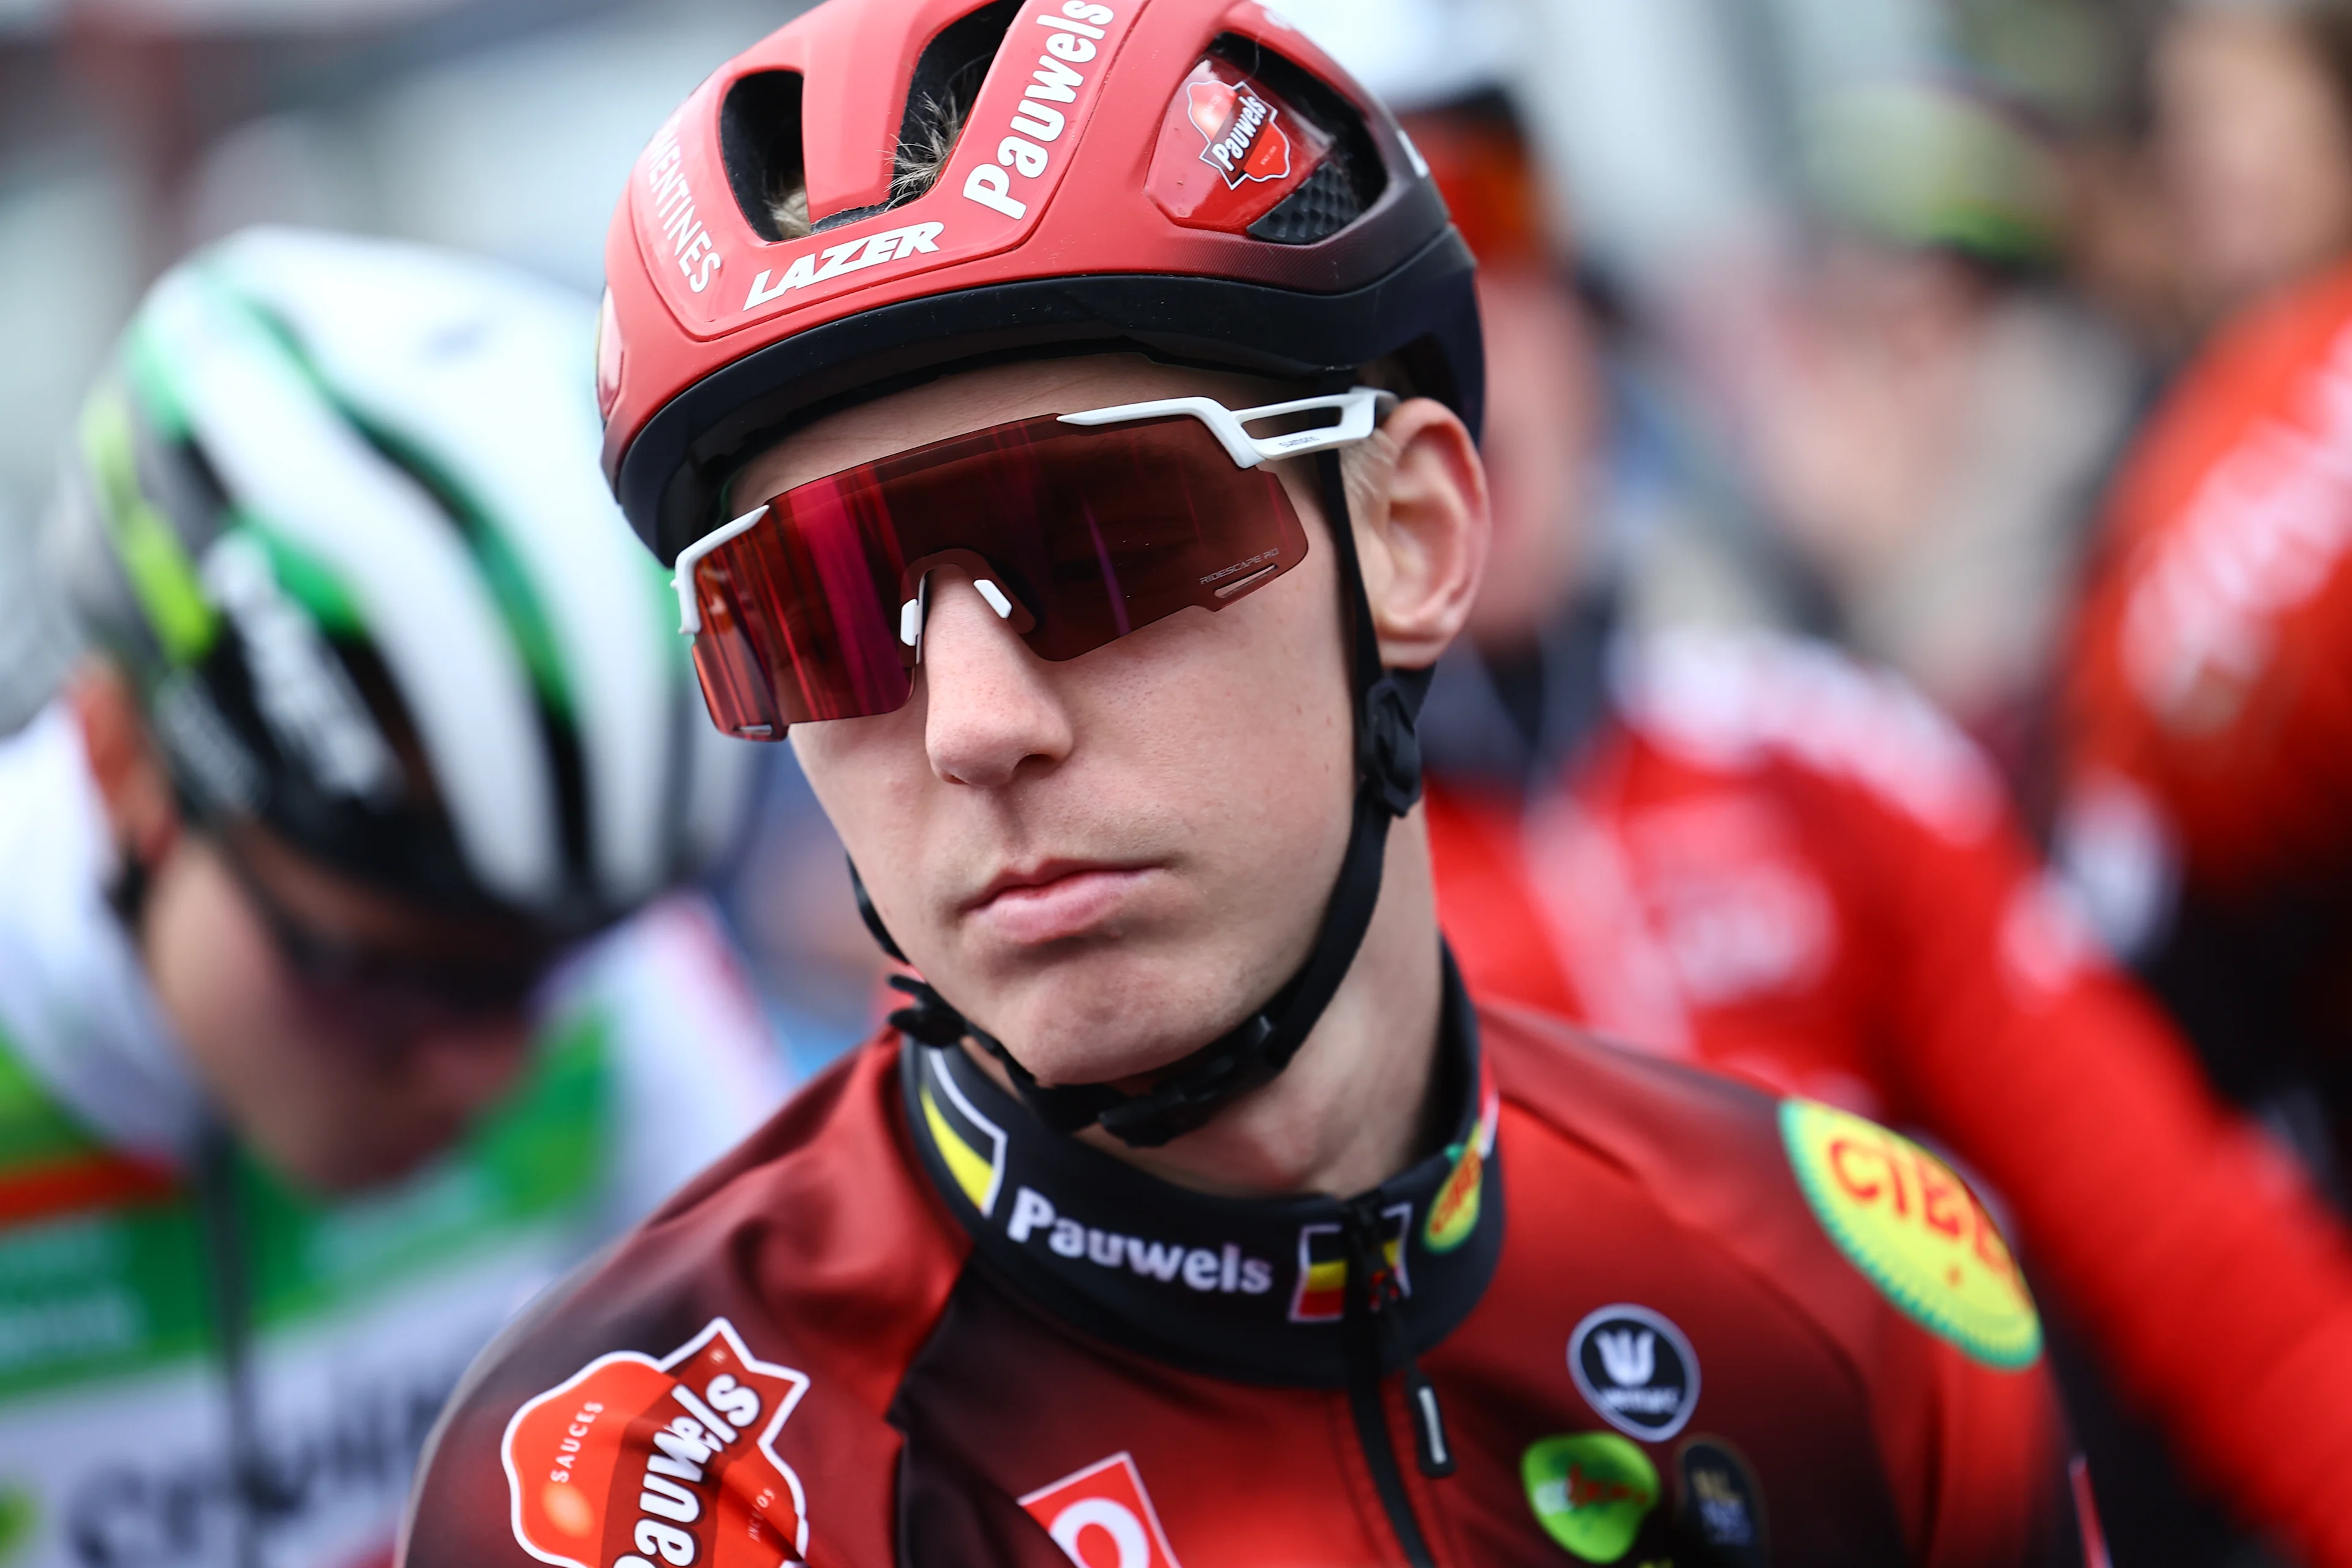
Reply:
x=1636, y=1369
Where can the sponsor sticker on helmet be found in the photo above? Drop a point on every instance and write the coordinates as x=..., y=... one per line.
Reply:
x=669, y=209
x=632, y=1462
x=1591, y=1491
x=1909, y=1223
x=1102, y=1517
x=1231, y=150
x=1635, y=1370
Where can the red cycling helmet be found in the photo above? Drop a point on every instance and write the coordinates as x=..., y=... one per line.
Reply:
x=886, y=190
x=1192, y=178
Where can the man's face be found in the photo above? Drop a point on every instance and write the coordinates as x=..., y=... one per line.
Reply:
x=336, y=1084
x=1109, y=861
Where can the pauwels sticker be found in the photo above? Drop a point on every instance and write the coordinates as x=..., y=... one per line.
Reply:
x=1231, y=148
x=634, y=1461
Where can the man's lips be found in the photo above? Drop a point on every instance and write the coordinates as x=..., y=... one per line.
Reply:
x=1057, y=899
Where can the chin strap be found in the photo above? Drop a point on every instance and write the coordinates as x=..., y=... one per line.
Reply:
x=1189, y=1092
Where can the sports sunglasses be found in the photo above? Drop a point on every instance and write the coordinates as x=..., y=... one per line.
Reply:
x=1076, y=529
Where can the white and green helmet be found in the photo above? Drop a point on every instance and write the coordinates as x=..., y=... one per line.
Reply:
x=336, y=508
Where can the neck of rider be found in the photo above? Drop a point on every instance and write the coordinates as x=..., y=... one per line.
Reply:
x=1358, y=1103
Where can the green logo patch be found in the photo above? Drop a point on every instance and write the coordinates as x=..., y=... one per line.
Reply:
x=1591, y=1491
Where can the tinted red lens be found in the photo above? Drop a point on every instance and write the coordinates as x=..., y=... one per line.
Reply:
x=1093, y=531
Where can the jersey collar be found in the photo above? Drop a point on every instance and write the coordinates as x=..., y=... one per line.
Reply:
x=1251, y=1290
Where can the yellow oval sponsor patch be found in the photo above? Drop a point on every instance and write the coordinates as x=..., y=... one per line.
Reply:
x=1914, y=1227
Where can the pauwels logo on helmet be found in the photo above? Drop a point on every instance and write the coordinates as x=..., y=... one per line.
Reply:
x=1231, y=150
x=1016, y=147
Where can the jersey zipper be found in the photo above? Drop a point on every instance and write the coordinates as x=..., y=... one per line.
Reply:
x=1374, y=1336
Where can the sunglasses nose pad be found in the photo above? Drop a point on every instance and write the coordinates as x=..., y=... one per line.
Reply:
x=914, y=612
x=995, y=597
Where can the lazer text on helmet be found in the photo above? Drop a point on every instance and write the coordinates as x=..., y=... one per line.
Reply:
x=855, y=255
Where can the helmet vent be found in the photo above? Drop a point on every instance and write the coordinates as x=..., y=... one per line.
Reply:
x=759, y=140
x=1321, y=208
x=1350, y=181
x=948, y=78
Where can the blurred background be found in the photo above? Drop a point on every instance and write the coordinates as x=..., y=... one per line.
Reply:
x=1869, y=296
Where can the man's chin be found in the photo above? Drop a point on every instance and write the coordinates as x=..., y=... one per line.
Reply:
x=1113, y=1011
x=1116, y=1040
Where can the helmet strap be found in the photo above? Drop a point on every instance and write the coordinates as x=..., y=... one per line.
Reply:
x=1193, y=1090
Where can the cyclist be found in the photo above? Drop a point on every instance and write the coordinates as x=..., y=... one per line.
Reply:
x=1101, y=482
x=313, y=1062
x=1751, y=853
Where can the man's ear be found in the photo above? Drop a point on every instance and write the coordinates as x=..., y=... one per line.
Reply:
x=133, y=784
x=1422, y=525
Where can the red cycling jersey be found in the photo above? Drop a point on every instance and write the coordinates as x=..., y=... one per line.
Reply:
x=1771, y=862
x=2211, y=666
x=2206, y=721
x=1628, y=1313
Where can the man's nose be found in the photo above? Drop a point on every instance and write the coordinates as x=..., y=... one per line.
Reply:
x=989, y=705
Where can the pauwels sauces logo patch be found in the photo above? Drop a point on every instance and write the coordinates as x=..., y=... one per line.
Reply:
x=1635, y=1370
x=1245, y=137
x=1912, y=1225
x=1321, y=1296
x=1102, y=1517
x=634, y=1462
x=1454, y=1213
x=1231, y=150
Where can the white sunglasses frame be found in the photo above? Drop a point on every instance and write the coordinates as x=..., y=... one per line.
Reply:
x=1360, y=410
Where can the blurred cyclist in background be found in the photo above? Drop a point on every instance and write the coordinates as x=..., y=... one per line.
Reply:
x=1750, y=852
x=2207, y=815
x=2207, y=710
x=307, y=1079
